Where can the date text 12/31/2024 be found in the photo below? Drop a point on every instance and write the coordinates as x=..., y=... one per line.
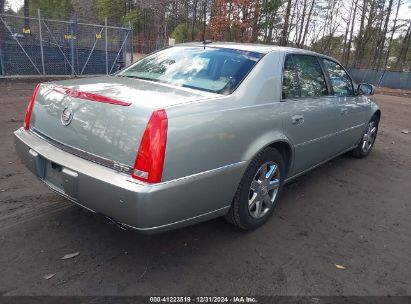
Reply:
x=234, y=299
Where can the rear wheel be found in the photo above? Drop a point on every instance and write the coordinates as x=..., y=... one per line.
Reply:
x=259, y=190
x=367, y=140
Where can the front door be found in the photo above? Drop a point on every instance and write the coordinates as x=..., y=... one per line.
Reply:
x=310, y=112
x=353, y=108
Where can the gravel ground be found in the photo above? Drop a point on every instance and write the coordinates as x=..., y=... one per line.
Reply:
x=349, y=212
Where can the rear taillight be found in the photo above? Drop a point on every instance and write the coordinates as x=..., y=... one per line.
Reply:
x=149, y=163
x=30, y=108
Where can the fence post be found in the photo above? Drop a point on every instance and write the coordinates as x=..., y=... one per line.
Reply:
x=105, y=36
x=41, y=42
x=2, y=72
x=382, y=76
x=72, y=46
x=131, y=42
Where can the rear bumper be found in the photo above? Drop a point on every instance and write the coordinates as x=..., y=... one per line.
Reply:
x=142, y=207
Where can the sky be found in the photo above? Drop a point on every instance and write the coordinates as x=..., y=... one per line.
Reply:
x=404, y=12
x=14, y=4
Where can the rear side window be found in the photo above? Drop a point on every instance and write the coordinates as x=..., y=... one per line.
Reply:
x=291, y=86
x=303, y=77
x=340, y=81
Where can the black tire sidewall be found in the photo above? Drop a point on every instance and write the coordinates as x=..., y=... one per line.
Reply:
x=246, y=220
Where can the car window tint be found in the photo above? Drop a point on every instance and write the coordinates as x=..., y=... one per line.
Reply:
x=310, y=75
x=340, y=81
x=291, y=88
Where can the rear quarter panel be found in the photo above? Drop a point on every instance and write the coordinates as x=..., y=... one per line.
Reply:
x=229, y=129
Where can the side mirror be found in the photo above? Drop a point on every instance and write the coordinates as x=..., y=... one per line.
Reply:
x=366, y=89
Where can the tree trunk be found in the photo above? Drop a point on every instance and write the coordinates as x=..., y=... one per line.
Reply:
x=284, y=35
x=405, y=45
x=194, y=19
x=347, y=30
x=302, y=24
x=348, y=52
x=378, y=39
x=26, y=14
x=384, y=34
x=308, y=22
x=387, y=56
x=273, y=17
x=360, y=33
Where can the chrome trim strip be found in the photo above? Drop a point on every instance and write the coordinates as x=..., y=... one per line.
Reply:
x=350, y=128
x=192, y=176
x=119, y=167
x=178, y=222
x=288, y=179
x=329, y=135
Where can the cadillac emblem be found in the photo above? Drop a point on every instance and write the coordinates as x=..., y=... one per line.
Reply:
x=67, y=116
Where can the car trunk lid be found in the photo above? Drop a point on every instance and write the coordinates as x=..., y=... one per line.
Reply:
x=103, y=119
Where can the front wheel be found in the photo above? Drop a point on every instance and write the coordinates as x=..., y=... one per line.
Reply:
x=259, y=190
x=367, y=140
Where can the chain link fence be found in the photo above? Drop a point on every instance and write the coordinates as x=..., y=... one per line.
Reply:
x=38, y=46
x=383, y=78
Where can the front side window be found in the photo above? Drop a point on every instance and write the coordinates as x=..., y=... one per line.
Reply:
x=303, y=77
x=216, y=70
x=310, y=75
x=340, y=81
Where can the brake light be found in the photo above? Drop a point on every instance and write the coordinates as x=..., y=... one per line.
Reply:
x=89, y=96
x=30, y=108
x=149, y=163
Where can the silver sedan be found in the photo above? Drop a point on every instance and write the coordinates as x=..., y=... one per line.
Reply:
x=194, y=132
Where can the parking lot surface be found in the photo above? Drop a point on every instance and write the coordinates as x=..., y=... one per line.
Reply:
x=348, y=212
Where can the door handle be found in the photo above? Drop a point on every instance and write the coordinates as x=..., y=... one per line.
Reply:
x=297, y=119
x=344, y=111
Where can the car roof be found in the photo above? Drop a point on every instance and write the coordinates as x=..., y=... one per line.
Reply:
x=253, y=47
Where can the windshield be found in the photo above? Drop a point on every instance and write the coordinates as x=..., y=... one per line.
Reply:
x=216, y=70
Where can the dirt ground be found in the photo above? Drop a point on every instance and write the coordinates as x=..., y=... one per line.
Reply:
x=354, y=213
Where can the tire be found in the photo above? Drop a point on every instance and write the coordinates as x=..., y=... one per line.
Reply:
x=256, y=191
x=367, y=141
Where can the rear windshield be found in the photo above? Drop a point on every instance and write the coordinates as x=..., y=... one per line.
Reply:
x=216, y=70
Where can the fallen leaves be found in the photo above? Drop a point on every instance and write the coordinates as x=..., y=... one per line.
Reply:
x=49, y=276
x=65, y=257
x=339, y=266
x=70, y=255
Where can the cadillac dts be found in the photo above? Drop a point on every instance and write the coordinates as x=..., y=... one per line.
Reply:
x=194, y=132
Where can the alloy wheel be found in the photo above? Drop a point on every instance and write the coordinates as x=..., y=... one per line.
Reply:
x=263, y=189
x=369, y=136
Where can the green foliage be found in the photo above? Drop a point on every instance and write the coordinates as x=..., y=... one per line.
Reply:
x=134, y=17
x=268, y=9
x=113, y=10
x=53, y=9
x=181, y=33
x=271, y=6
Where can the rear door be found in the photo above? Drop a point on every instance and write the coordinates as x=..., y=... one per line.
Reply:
x=310, y=113
x=353, y=108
